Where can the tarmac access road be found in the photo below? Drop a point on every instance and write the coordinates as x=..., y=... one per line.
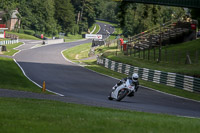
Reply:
x=86, y=87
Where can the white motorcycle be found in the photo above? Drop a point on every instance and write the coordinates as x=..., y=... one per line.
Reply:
x=125, y=89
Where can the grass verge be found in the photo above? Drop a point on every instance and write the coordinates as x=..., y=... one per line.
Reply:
x=97, y=29
x=26, y=115
x=71, y=38
x=24, y=36
x=181, y=68
x=78, y=52
x=93, y=66
x=10, y=48
x=11, y=77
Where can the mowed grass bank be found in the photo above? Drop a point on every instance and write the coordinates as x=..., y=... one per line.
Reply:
x=81, y=51
x=36, y=116
x=11, y=77
x=78, y=52
x=175, y=65
x=10, y=48
x=24, y=36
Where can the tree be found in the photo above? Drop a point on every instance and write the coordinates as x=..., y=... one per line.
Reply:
x=195, y=15
x=85, y=13
x=65, y=16
x=135, y=18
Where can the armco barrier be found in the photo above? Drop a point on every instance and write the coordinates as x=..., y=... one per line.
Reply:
x=170, y=79
x=8, y=42
x=54, y=41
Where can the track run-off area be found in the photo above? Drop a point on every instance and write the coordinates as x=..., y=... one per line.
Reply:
x=74, y=83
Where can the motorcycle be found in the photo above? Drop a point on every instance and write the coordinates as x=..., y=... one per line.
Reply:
x=123, y=90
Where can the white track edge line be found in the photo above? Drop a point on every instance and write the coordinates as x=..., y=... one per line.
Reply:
x=17, y=49
x=119, y=79
x=34, y=81
x=141, y=86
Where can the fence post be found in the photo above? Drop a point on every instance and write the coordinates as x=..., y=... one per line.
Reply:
x=188, y=60
x=148, y=53
x=139, y=52
x=143, y=53
x=154, y=53
x=130, y=51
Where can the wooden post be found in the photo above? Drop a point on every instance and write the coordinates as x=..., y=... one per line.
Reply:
x=188, y=60
x=154, y=53
x=148, y=53
x=143, y=53
x=139, y=52
x=173, y=56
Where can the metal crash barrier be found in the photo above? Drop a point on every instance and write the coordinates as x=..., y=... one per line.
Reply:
x=170, y=79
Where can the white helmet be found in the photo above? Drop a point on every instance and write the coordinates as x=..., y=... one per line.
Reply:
x=135, y=77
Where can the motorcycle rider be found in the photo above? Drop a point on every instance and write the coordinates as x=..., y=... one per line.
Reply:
x=134, y=80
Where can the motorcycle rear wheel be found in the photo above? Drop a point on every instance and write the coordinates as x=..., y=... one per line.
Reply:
x=109, y=97
x=122, y=93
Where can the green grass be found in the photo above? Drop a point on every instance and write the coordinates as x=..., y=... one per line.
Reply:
x=24, y=36
x=97, y=29
x=72, y=52
x=4, y=39
x=10, y=51
x=92, y=27
x=71, y=38
x=171, y=90
x=78, y=52
x=181, y=68
x=26, y=115
x=12, y=77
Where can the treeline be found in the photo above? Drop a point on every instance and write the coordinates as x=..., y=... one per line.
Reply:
x=54, y=16
x=76, y=16
x=135, y=18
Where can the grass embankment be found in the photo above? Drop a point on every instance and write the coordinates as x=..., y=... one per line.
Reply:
x=96, y=30
x=10, y=49
x=78, y=50
x=71, y=38
x=11, y=77
x=25, y=115
x=4, y=39
x=176, y=66
x=24, y=36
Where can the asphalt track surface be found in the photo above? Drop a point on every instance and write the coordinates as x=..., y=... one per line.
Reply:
x=86, y=87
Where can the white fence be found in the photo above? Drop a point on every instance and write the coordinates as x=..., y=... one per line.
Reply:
x=9, y=42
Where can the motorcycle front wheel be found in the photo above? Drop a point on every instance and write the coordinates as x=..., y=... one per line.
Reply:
x=122, y=93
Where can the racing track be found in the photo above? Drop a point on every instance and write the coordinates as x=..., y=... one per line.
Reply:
x=87, y=87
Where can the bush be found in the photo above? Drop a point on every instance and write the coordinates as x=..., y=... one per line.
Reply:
x=29, y=32
x=20, y=31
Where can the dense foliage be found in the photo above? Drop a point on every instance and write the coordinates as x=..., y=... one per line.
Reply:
x=53, y=16
x=76, y=16
x=135, y=18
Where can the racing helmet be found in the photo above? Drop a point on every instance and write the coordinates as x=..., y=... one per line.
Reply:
x=135, y=77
